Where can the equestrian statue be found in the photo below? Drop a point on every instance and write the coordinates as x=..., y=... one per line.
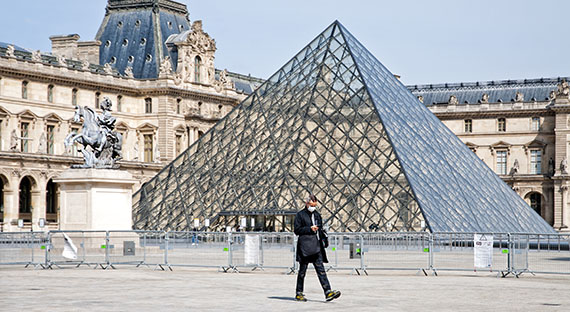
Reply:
x=100, y=145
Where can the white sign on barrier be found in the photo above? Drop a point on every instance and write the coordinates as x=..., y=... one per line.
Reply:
x=251, y=250
x=483, y=250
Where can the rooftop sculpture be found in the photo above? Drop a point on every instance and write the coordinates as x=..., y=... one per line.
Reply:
x=101, y=146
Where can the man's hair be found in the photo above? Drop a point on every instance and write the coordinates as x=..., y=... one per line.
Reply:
x=311, y=197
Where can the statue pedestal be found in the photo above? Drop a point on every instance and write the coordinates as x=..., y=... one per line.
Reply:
x=95, y=199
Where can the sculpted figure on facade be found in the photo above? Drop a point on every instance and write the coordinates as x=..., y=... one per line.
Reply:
x=42, y=144
x=564, y=166
x=85, y=65
x=452, y=100
x=421, y=98
x=485, y=98
x=108, y=69
x=61, y=60
x=129, y=72
x=563, y=90
x=519, y=97
x=515, y=168
x=37, y=56
x=552, y=95
x=14, y=140
x=101, y=146
x=165, y=67
x=224, y=82
x=10, y=51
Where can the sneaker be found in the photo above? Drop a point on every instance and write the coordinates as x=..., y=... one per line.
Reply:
x=332, y=294
x=300, y=297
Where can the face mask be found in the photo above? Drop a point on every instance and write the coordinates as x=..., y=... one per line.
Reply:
x=311, y=209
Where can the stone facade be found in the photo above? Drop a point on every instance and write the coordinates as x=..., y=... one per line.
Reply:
x=524, y=138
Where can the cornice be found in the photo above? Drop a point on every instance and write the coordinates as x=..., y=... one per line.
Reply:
x=494, y=114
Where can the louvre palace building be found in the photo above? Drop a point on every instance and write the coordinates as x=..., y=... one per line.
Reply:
x=157, y=67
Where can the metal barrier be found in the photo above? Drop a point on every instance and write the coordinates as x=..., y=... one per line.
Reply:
x=230, y=252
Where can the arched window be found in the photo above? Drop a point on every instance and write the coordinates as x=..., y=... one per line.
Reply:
x=74, y=97
x=25, y=196
x=119, y=102
x=24, y=90
x=536, y=202
x=51, y=201
x=50, y=93
x=197, y=66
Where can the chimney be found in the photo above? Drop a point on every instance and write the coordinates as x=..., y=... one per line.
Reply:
x=65, y=46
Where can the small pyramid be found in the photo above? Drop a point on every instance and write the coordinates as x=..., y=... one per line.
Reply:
x=334, y=122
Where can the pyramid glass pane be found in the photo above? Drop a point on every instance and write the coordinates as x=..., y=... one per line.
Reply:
x=334, y=122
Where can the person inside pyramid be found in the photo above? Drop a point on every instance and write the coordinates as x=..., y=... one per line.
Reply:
x=311, y=248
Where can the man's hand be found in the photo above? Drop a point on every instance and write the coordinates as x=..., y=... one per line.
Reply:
x=314, y=228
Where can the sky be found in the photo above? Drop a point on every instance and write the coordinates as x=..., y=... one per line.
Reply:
x=423, y=41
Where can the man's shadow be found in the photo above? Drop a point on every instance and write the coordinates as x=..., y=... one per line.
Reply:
x=292, y=299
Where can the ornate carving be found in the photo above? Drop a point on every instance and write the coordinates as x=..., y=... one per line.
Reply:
x=15, y=141
x=85, y=65
x=563, y=188
x=225, y=82
x=452, y=100
x=165, y=67
x=199, y=40
x=37, y=56
x=519, y=97
x=563, y=91
x=108, y=69
x=10, y=51
x=485, y=98
x=61, y=60
x=421, y=98
x=129, y=72
x=552, y=95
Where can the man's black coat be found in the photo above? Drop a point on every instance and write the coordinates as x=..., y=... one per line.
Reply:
x=303, y=227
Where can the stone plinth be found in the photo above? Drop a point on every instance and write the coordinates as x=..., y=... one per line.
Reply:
x=95, y=199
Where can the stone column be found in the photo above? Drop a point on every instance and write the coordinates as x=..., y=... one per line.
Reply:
x=564, y=213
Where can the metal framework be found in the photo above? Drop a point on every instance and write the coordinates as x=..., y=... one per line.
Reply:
x=334, y=122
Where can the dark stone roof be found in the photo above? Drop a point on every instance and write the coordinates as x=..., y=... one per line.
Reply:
x=133, y=34
x=498, y=91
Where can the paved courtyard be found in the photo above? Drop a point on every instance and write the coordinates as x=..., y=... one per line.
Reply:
x=130, y=289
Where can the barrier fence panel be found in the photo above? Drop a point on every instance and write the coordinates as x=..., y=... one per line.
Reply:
x=454, y=251
x=198, y=249
x=78, y=248
x=546, y=253
x=278, y=250
x=401, y=251
x=343, y=256
x=135, y=248
x=23, y=248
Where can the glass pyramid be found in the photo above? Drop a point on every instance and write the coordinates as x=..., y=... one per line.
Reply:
x=336, y=123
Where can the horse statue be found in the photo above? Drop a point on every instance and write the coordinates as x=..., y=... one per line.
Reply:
x=101, y=146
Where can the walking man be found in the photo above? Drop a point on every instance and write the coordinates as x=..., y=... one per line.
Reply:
x=311, y=246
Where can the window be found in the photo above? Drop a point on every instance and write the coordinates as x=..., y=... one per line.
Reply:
x=148, y=105
x=24, y=90
x=501, y=162
x=501, y=125
x=24, y=126
x=468, y=125
x=50, y=93
x=535, y=124
x=25, y=203
x=178, y=105
x=178, y=144
x=50, y=134
x=197, y=65
x=119, y=102
x=74, y=97
x=97, y=97
x=535, y=161
x=148, y=147
x=51, y=201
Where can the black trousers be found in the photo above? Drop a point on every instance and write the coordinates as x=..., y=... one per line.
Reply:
x=317, y=262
